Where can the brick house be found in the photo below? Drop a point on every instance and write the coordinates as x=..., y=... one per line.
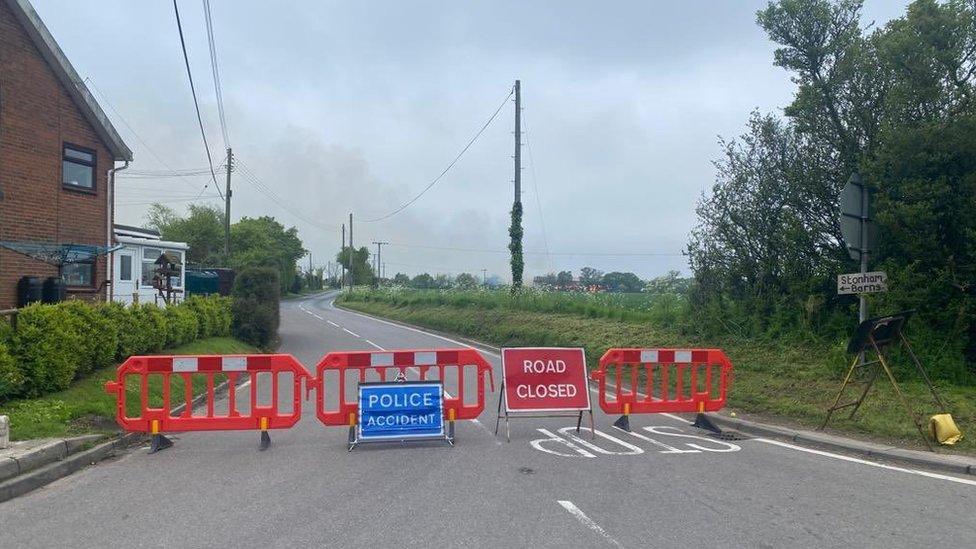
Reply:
x=57, y=160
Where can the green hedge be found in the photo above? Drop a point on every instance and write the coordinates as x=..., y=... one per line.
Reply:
x=56, y=344
x=256, y=297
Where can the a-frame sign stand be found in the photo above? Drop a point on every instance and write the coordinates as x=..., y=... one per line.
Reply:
x=877, y=336
x=507, y=415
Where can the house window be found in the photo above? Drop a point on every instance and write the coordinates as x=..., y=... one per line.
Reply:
x=79, y=274
x=125, y=268
x=78, y=168
x=149, y=257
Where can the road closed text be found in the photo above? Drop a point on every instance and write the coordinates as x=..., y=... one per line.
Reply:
x=538, y=379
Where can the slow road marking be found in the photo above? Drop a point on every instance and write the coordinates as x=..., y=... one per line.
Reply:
x=566, y=443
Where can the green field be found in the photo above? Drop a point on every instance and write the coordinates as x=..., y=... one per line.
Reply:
x=789, y=382
x=86, y=408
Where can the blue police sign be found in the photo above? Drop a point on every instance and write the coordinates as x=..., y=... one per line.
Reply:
x=396, y=411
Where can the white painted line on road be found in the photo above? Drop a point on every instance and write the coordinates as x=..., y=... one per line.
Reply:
x=866, y=462
x=587, y=521
x=350, y=332
x=414, y=368
x=419, y=331
x=333, y=323
x=373, y=344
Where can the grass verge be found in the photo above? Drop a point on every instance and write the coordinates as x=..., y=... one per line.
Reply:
x=787, y=382
x=85, y=407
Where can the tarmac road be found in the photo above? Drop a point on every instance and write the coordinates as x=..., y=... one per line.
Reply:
x=656, y=487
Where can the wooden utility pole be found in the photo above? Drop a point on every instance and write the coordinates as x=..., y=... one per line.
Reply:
x=342, y=250
x=227, y=194
x=379, y=259
x=352, y=255
x=515, y=231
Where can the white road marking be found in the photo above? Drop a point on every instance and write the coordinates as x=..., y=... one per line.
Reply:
x=350, y=332
x=587, y=521
x=417, y=330
x=866, y=462
x=476, y=421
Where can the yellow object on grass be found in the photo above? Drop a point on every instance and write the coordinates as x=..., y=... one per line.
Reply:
x=944, y=429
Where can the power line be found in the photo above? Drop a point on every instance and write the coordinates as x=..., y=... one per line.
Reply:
x=538, y=199
x=196, y=104
x=218, y=89
x=108, y=101
x=449, y=166
x=167, y=201
x=493, y=251
x=253, y=179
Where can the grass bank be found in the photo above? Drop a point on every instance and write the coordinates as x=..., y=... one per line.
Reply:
x=85, y=407
x=787, y=382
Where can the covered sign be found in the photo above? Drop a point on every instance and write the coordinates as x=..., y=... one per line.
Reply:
x=400, y=410
x=545, y=379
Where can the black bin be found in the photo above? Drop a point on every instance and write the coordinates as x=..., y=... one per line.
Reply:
x=29, y=290
x=53, y=290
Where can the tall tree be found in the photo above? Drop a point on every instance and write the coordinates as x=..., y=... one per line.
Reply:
x=202, y=229
x=357, y=264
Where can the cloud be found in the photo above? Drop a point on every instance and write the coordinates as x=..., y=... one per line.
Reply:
x=354, y=107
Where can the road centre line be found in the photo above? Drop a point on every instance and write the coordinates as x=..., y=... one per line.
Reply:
x=412, y=329
x=475, y=420
x=587, y=521
x=866, y=462
x=352, y=333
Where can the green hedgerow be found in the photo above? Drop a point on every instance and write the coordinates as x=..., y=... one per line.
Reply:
x=45, y=347
x=99, y=336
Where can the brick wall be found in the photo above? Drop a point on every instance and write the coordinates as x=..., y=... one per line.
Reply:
x=37, y=116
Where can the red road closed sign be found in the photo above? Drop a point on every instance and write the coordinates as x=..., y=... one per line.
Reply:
x=549, y=379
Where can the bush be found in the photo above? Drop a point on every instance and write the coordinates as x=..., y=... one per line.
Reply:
x=55, y=344
x=213, y=315
x=182, y=325
x=45, y=347
x=153, y=324
x=11, y=378
x=256, y=297
x=131, y=327
x=99, y=336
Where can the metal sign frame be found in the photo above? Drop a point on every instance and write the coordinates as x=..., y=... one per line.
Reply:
x=537, y=413
x=355, y=431
x=878, y=335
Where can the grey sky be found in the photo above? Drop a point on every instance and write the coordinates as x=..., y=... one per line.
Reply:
x=356, y=106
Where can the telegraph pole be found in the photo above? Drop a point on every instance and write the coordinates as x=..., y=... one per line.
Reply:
x=379, y=258
x=484, y=277
x=352, y=254
x=342, y=251
x=518, y=141
x=515, y=231
x=227, y=193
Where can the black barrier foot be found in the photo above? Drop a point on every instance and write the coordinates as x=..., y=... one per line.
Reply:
x=159, y=442
x=265, y=441
x=703, y=422
x=623, y=423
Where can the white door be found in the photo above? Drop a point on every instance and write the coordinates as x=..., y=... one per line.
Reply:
x=126, y=276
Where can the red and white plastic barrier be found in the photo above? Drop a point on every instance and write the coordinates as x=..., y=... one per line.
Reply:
x=156, y=420
x=409, y=365
x=647, y=381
